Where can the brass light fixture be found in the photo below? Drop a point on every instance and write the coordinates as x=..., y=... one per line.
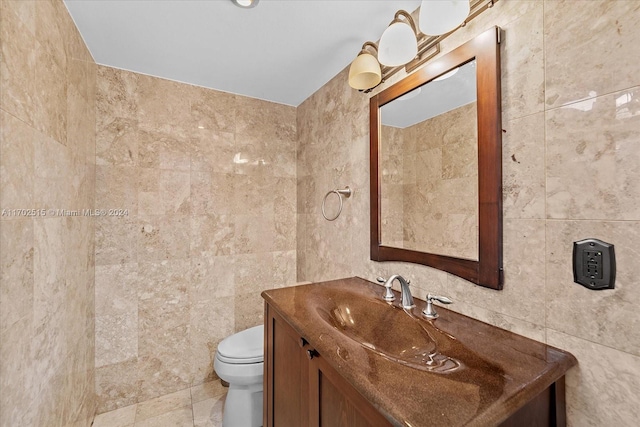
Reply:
x=407, y=45
x=365, y=71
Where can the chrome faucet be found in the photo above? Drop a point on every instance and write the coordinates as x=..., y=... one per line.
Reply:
x=405, y=292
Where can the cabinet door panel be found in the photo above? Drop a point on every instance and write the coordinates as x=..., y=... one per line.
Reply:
x=287, y=398
x=334, y=403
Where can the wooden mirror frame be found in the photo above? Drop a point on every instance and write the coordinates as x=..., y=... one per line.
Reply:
x=487, y=270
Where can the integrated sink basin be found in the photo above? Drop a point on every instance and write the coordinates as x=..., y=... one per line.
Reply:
x=388, y=330
x=449, y=371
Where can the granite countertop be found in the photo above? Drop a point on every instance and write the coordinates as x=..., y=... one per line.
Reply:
x=495, y=372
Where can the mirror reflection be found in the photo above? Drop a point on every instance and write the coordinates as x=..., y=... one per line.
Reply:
x=429, y=167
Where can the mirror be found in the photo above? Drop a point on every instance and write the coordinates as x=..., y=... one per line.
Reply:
x=428, y=157
x=436, y=165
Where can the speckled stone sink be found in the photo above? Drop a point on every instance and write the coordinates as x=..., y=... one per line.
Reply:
x=396, y=334
x=451, y=371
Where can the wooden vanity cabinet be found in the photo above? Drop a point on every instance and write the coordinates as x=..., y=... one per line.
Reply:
x=301, y=389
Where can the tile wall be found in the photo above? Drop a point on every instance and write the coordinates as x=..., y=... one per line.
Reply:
x=571, y=168
x=208, y=180
x=47, y=165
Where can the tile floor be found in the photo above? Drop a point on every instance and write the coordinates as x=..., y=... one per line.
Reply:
x=198, y=406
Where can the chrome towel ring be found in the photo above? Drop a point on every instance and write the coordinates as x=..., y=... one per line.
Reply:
x=346, y=192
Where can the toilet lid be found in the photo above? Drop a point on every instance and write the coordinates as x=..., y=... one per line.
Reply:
x=244, y=347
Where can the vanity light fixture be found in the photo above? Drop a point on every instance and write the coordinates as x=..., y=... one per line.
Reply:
x=245, y=4
x=405, y=45
x=365, y=70
x=399, y=42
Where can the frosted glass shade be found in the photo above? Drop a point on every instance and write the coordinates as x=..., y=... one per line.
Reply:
x=364, y=72
x=398, y=45
x=442, y=16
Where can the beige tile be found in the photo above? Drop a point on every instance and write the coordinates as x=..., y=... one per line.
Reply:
x=211, y=321
x=254, y=234
x=604, y=389
x=163, y=106
x=212, y=235
x=206, y=391
x=77, y=73
x=500, y=320
x=264, y=155
x=116, y=289
x=570, y=45
x=163, y=404
x=116, y=94
x=162, y=237
x=248, y=311
x=212, y=277
x=18, y=67
x=164, y=150
x=51, y=96
x=175, y=190
x=116, y=338
x=162, y=366
x=53, y=163
x=607, y=317
x=182, y=417
x=522, y=48
x=208, y=413
x=117, y=385
x=523, y=295
x=123, y=417
x=115, y=188
x=215, y=151
x=116, y=141
x=116, y=240
x=284, y=268
x=598, y=152
x=271, y=120
x=523, y=178
x=16, y=370
x=163, y=294
x=17, y=265
x=212, y=110
x=17, y=164
x=51, y=27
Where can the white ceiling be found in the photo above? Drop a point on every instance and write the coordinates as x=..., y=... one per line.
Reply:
x=280, y=51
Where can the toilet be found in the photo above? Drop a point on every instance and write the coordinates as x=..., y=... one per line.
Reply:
x=239, y=361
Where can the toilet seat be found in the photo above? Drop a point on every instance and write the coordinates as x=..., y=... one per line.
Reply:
x=244, y=347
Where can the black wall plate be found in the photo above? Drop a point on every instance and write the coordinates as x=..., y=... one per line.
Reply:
x=594, y=264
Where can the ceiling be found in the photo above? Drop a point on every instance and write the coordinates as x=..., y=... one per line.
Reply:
x=281, y=50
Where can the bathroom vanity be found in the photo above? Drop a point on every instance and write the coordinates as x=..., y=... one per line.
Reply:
x=336, y=354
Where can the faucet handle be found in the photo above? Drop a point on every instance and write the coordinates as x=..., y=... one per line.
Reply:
x=388, y=295
x=429, y=311
x=443, y=300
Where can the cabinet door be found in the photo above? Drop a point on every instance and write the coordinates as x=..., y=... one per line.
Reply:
x=334, y=403
x=286, y=379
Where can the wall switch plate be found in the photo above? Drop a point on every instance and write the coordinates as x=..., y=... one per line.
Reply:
x=594, y=264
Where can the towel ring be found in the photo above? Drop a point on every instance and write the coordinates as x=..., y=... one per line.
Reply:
x=346, y=192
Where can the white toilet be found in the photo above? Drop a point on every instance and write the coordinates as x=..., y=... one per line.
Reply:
x=239, y=361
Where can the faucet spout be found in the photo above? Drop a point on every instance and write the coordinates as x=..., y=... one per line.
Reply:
x=407, y=298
